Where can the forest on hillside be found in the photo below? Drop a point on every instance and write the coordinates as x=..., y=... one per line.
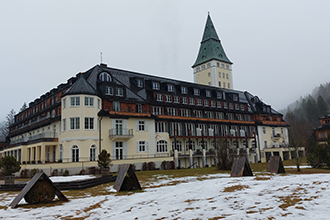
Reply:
x=307, y=110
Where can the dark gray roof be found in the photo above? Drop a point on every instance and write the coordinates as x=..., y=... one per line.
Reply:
x=81, y=86
x=2, y=139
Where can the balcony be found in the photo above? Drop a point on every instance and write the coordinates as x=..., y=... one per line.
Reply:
x=121, y=133
x=44, y=136
x=276, y=136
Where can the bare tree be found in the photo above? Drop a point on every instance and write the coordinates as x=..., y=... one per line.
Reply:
x=298, y=137
x=224, y=160
x=10, y=119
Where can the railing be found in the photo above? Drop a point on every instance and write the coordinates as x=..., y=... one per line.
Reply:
x=123, y=133
x=140, y=156
x=35, y=137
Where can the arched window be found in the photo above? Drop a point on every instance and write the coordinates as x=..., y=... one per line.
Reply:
x=75, y=153
x=161, y=146
x=92, y=153
x=178, y=145
x=191, y=145
x=105, y=77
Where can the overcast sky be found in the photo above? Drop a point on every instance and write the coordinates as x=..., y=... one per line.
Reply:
x=280, y=49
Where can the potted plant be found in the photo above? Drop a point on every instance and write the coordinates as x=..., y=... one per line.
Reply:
x=104, y=162
x=8, y=166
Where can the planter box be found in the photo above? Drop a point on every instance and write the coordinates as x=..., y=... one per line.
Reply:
x=105, y=171
x=9, y=180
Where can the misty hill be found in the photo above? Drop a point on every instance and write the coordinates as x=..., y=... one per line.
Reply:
x=309, y=108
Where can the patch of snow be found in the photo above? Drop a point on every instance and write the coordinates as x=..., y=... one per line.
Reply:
x=57, y=179
x=197, y=197
x=301, y=167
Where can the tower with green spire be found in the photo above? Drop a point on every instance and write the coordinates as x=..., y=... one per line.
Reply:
x=212, y=66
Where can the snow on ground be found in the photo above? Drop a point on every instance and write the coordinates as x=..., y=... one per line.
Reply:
x=57, y=179
x=211, y=196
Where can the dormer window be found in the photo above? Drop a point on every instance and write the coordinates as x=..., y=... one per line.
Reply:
x=108, y=90
x=155, y=85
x=139, y=83
x=196, y=91
x=105, y=77
x=235, y=98
x=119, y=91
x=208, y=93
x=219, y=95
x=170, y=88
x=184, y=90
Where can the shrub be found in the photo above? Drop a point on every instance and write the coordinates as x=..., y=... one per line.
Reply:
x=66, y=172
x=104, y=160
x=9, y=165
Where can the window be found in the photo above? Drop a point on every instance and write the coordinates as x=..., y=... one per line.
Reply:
x=203, y=67
x=161, y=126
x=242, y=107
x=75, y=153
x=159, y=97
x=265, y=143
x=105, y=77
x=239, y=117
x=139, y=108
x=89, y=123
x=219, y=75
x=116, y=106
x=198, y=113
x=119, y=91
x=61, y=152
x=222, y=65
x=172, y=111
x=282, y=131
x=177, y=146
x=75, y=123
x=209, y=114
x=184, y=90
x=64, y=124
x=236, y=106
x=224, y=85
x=230, y=116
x=206, y=102
x=219, y=104
x=64, y=103
x=191, y=101
x=264, y=130
x=219, y=95
x=99, y=103
x=155, y=85
x=176, y=99
x=170, y=88
x=142, y=146
x=157, y=110
x=184, y=100
x=227, y=76
x=139, y=83
x=168, y=98
x=208, y=74
x=108, y=90
x=247, y=117
x=198, y=69
x=89, y=101
x=228, y=85
x=208, y=93
x=161, y=146
x=92, y=153
x=227, y=66
x=231, y=106
x=208, y=65
x=213, y=104
x=190, y=145
x=219, y=115
x=225, y=105
x=209, y=83
x=196, y=91
x=235, y=98
x=141, y=126
x=223, y=75
x=199, y=102
x=75, y=101
x=185, y=112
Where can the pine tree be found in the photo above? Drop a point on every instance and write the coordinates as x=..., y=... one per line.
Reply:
x=322, y=106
